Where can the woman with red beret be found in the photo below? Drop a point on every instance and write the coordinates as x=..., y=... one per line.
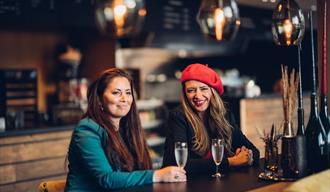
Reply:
x=201, y=117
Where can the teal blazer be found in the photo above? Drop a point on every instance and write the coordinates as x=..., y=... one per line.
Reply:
x=89, y=168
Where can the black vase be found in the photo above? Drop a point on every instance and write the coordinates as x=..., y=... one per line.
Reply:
x=315, y=140
x=315, y=134
x=325, y=119
x=326, y=124
x=289, y=157
x=301, y=157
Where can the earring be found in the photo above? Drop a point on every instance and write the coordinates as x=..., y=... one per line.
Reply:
x=101, y=107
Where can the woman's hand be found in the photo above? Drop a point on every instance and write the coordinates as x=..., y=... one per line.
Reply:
x=170, y=174
x=243, y=156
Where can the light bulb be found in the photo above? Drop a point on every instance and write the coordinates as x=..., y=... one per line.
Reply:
x=120, y=17
x=288, y=25
x=219, y=19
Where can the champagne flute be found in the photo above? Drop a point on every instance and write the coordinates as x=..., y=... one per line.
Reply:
x=217, y=154
x=181, y=153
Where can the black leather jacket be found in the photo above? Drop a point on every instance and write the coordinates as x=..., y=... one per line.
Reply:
x=180, y=130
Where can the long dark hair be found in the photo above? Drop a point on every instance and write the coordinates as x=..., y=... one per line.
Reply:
x=130, y=124
x=216, y=119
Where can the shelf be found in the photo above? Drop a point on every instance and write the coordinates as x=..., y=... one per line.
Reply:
x=155, y=141
x=152, y=113
x=19, y=100
x=149, y=104
x=152, y=124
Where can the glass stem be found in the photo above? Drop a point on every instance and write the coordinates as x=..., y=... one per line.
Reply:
x=217, y=169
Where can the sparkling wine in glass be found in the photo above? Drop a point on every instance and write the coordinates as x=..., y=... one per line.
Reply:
x=217, y=154
x=181, y=153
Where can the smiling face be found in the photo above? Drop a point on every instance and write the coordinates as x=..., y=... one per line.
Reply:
x=117, y=98
x=198, y=95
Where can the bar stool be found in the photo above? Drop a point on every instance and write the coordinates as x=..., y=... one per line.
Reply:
x=52, y=186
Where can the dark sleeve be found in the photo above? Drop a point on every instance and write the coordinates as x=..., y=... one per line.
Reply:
x=176, y=131
x=179, y=130
x=239, y=139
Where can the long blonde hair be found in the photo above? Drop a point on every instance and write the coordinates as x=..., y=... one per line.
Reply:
x=216, y=120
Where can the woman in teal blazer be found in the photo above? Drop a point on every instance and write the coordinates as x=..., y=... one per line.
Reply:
x=107, y=148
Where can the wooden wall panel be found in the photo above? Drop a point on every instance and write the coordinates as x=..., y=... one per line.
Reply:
x=32, y=159
x=263, y=112
x=33, y=170
x=6, y=176
x=40, y=169
x=36, y=137
x=27, y=152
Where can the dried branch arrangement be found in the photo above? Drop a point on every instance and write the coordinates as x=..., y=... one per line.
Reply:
x=289, y=93
x=270, y=138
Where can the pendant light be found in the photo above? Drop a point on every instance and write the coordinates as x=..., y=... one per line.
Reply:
x=288, y=26
x=120, y=17
x=219, y=19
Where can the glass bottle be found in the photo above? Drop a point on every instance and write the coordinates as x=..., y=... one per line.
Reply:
x=300, y=110
x=315, y=134
x=324, y=112
x=301, y=159
x=315, y=140
x=326, y=124
x=325, y=119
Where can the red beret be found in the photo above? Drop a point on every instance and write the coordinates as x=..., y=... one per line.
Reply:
x=202, y=73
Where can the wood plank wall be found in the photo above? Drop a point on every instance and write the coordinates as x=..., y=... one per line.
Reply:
x=263, y=112
x=27, y=160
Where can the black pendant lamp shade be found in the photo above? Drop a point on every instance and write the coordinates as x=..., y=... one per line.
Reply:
x=120, y=18
x=219, y=19
x=288, y=24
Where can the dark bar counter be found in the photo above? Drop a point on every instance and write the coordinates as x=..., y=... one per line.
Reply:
x=237, y=180
x=37, y=130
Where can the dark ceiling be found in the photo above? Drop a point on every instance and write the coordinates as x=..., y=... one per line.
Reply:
x=304, y=4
